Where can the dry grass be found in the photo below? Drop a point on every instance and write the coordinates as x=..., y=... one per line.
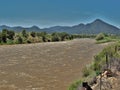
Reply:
x=45, y=66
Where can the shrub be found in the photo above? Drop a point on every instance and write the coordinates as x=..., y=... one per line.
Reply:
x=24, y=33
x=75, y=85
x=100, y=36
x=31, y=39
x=10, y=41
x=86, y=72
x=33, y=34
x=19, y=40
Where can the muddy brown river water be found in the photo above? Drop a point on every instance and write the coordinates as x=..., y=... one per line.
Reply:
x=45, y=66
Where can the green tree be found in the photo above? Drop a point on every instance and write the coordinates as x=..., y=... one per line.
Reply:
x=43, y=35
x=24, y=34
x=4, y=35
x=43, y=38
x=48, y=38
x=10, y=35
x=64, y=36
x=0, y=37
x=55, y=37
x=33, y=34
x=19, y=40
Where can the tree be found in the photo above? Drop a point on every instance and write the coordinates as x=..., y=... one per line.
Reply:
x=4, y=35
x=48, y=38
x=10, y=35
x=64, y=36
x=0, y=37
x=24, y=34
x=33, y=34
x=43, y=35
x=19, y=40
x=55, y=37
x=43, y=38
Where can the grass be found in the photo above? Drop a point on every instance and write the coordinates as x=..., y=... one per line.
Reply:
x=75, y=85
x=107, y=38
x=99, y=60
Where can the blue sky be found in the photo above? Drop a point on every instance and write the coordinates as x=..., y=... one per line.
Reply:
x=46, y=13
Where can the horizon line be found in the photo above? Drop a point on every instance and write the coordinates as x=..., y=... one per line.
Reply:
x=62, y=24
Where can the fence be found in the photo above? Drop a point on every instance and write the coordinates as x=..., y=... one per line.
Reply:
x=112, y=66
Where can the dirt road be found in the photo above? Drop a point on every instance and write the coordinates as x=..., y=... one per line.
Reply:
x=45, y=66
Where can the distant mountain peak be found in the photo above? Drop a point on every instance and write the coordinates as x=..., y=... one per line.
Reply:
x=35, y=27
x=98, y=21
x=79, y=25
x=95, y=27
x=3, y=25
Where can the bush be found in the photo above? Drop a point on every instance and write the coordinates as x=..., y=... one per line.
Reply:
x=100, y=36
x=33, y=34
x=24, y=33
x=31, y=39
x=19, y=40
x=10, y=41
x=75, y=85
x=86, y=72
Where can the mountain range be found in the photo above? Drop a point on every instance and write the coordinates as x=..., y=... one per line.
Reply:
x=94, y=27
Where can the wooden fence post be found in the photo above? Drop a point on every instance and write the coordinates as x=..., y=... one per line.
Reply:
x=116, y=48
x=110, y=60
x=107, y=64
x=100, y=81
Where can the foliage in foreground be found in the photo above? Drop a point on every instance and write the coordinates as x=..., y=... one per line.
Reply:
x=98, y=64
x=75, y=85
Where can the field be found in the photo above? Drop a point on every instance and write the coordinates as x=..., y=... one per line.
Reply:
x=45, y=66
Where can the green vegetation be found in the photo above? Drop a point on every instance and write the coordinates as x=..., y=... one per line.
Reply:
x=97, y=66
x=10, y=37
x=75, y=85
x=103, y=38
x=86, y=72
x=84, y=35
x=100, y=36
